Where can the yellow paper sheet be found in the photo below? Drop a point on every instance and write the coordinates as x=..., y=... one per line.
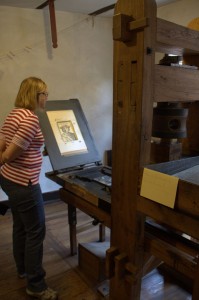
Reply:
x=159, y=187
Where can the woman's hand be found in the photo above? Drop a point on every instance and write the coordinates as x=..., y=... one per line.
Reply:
x=1, y=158
x=2, y=149
x=12, y=151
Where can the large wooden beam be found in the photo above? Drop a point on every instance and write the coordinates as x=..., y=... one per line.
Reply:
x=133, y=69
x=176, y=84
x=176, y=39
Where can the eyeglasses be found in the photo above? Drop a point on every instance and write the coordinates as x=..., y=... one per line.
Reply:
x=43, y=93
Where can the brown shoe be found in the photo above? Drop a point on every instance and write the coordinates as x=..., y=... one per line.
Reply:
x=47, y=294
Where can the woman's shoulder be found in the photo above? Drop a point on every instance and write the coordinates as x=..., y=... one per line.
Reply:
x=23, y=112
x=24, y=115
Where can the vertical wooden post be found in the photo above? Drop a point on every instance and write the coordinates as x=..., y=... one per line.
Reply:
x=72, y=221
x=195, y=284
x=134, y=56
x=53, y=23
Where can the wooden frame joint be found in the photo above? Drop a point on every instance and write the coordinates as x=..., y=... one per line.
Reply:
x=124, y=25
x=110, y=261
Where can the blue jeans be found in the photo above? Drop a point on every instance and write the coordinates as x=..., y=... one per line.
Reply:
x=27, y=208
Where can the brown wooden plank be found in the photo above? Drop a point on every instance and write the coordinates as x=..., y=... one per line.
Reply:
x=85, y=206
x=167, y=216
x=176, y=39
x=176, y=84
x=82, y=192
x=172, y=237
x=179, y=261
x=187, y=199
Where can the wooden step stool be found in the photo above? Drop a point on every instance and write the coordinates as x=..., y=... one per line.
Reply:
x=91, y=259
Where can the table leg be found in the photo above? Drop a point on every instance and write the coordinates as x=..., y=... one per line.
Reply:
x=102, y=234
x=72, y=221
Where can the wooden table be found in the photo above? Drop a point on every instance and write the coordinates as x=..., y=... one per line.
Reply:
x=76, y=202
x=82, y=191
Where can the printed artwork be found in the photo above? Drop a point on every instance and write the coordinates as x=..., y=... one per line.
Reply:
x=67, y=132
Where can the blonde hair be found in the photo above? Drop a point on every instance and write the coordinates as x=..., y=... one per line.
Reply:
x=28, y=93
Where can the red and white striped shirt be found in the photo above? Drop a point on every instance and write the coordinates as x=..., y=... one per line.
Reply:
x=21, y=127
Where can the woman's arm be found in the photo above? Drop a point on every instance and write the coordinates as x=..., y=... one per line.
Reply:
x=2, y=148
x=11, y=152
x=2, y=145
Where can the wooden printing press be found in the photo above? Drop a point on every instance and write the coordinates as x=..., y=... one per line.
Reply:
x=144, y=232
x=143, y=229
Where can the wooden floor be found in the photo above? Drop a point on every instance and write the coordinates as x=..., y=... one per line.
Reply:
x=63, y=273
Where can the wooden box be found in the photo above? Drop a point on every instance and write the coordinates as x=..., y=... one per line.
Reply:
x=91, y=259
x=162, y=152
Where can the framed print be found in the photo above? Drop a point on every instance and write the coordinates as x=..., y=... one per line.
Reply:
x=68, y=139
x=66, y=132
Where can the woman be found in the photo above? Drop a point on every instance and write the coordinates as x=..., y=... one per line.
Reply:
x=21, y=159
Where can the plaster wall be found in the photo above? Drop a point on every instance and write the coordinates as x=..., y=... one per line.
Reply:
x=180, y=12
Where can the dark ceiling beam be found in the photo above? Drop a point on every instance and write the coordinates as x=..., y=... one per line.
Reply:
x=43, y=5
x=95, y=13
x=50, y=4
x=53, y=23
x=102, y=10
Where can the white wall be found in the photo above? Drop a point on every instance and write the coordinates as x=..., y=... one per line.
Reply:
x=81, y=66
x=180, y=12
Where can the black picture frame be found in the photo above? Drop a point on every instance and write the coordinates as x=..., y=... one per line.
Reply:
x=61, y=162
